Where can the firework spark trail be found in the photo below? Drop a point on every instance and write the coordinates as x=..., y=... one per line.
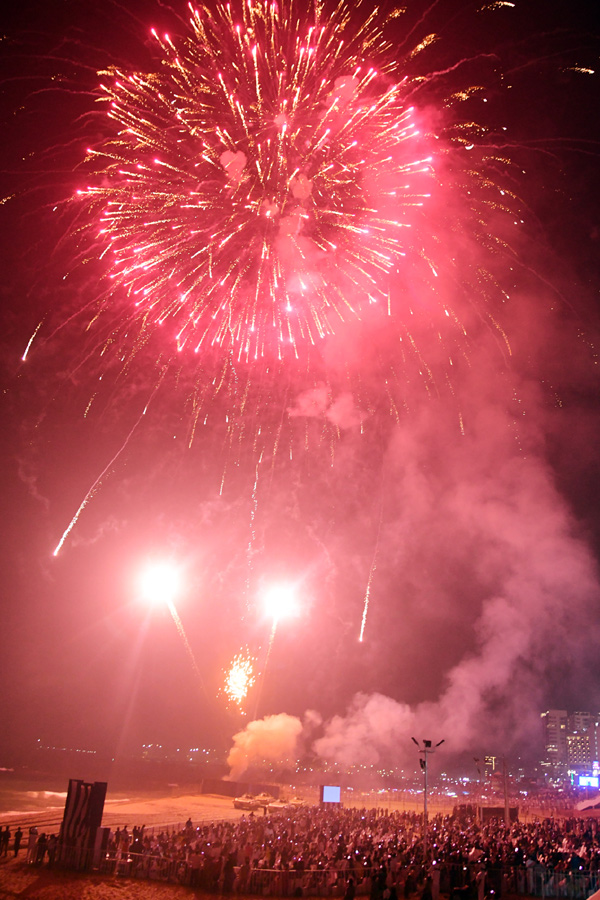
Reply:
x=371, y=570
x=252, y=525
x=98, y=482
x=367, y=599
x=261, y=677
x=31, y=340
x=186, y=643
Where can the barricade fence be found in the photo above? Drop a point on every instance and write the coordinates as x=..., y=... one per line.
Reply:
x=460, y=882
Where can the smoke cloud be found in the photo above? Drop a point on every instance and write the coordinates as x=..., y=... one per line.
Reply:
x=483, y=589
x=318, y=403
x=272, y=739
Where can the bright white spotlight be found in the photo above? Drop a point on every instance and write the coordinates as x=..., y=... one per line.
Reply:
x=280, y=602
x=160, y=583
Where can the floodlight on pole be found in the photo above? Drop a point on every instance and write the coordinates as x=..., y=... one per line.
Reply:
x=160, y=582
x=280, y=602
x=425, y=751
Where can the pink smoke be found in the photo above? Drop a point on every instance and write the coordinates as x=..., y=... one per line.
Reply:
x=273, y=739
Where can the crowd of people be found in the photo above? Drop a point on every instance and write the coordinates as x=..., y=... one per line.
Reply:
x=338, y=852
x=318, y=851
x=40, y=846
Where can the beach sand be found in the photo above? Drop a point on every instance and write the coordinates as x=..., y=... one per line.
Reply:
x=18, y=880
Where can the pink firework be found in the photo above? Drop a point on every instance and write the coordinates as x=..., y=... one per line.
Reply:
x=289, y=242
x=259, y=188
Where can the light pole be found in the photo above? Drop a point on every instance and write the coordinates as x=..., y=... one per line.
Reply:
x=505, y=786
x=425, y=751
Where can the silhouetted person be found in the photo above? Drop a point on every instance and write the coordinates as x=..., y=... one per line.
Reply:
x=31, y=844
x=410, y=885
x=41, y=846
x=228, y=874
x=52, y=845
x=427, y=893
x=350, y=891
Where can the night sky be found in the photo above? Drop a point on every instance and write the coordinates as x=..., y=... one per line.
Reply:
x=468, y=517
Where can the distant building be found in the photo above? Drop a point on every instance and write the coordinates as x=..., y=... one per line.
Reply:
x=571, y=742
x=579, y=752
x=555, y=724
x=579, y=722
x=490, y=765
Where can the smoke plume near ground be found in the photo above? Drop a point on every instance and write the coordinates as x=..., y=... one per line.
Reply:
x=483, y=589
x=272, y=739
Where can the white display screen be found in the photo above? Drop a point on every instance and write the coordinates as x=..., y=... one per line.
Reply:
x=331, y=793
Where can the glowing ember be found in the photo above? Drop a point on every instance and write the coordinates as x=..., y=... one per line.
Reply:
x=240, y=678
